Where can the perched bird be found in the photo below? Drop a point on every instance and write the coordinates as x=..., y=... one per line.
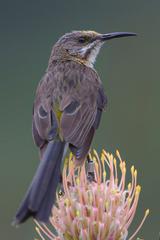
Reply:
x=67, y=110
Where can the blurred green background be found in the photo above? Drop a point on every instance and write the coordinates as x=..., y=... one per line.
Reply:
x=129, y=69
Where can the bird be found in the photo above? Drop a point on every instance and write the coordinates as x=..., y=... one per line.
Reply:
x=67, y=110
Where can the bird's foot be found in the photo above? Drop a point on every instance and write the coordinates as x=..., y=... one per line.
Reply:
x=90, y=170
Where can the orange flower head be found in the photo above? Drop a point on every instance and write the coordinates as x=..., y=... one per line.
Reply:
x=102, y=209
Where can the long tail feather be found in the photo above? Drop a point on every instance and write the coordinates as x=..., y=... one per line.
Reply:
x=40, y=196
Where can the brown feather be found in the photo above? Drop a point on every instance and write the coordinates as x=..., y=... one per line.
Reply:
x=67, y=82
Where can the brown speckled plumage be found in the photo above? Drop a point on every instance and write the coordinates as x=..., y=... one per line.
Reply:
x=65, y=83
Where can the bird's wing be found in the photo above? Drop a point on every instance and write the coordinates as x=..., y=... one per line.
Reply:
x=44, y=122
x=76, y=121
x=80, y=152
x=79, y=114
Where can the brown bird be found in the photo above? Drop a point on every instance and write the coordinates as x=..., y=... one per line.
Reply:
x=67, y=110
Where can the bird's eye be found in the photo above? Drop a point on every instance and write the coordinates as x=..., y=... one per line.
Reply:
x=82, y=39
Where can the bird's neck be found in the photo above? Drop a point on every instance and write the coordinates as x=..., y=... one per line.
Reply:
x=64, y=57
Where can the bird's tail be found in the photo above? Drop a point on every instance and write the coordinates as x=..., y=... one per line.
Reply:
x=41, y=194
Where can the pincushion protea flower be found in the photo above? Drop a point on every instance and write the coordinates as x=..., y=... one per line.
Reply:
x=102, y=209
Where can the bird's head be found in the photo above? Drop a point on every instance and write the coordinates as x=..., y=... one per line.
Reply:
x=83, y=46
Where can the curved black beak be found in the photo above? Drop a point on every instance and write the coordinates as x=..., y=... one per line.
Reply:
x=108, y=36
